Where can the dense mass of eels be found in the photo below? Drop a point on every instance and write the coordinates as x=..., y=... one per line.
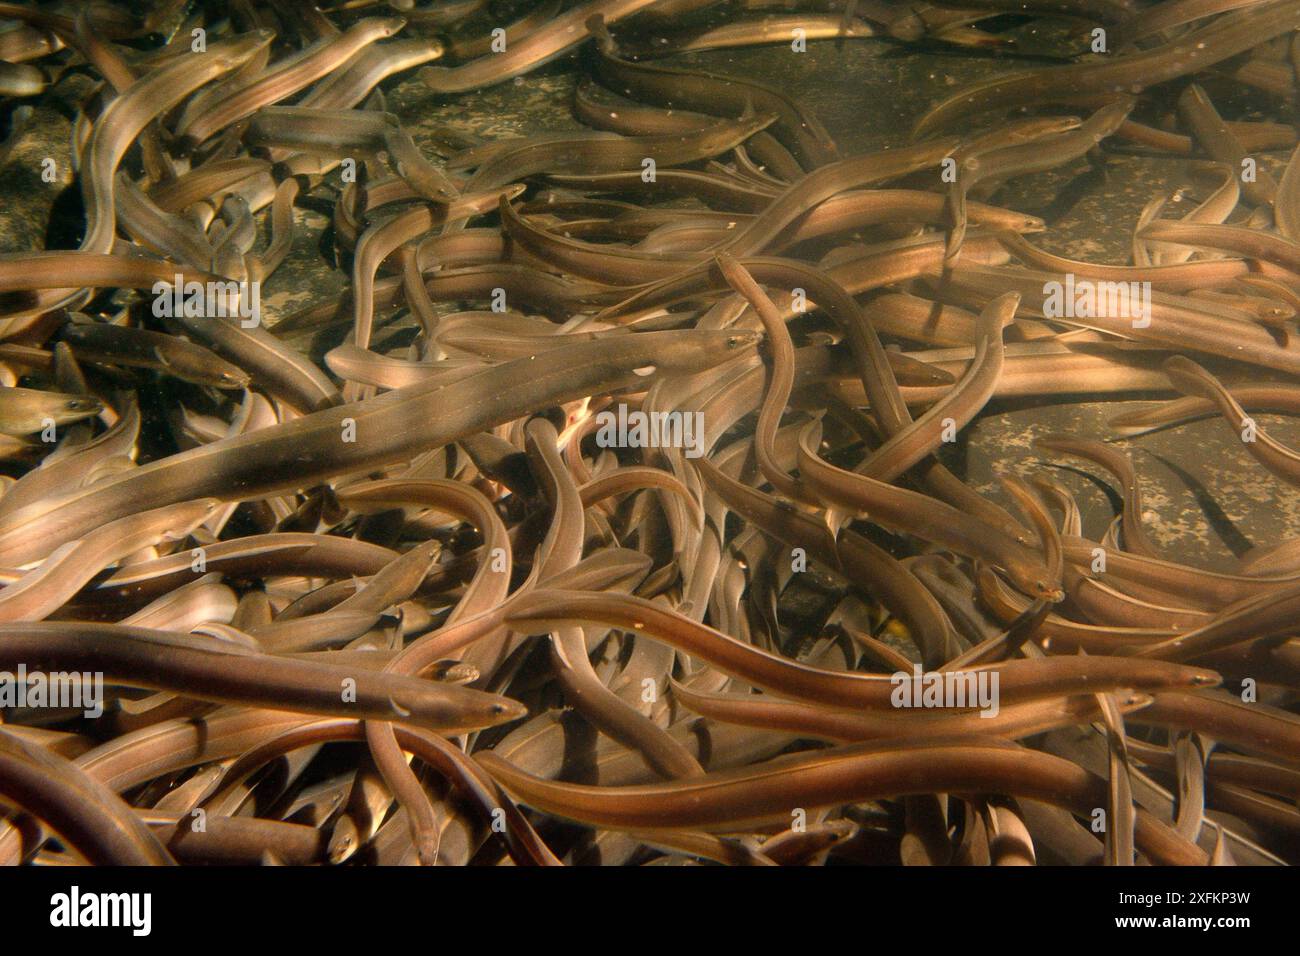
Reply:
x=592, y=499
